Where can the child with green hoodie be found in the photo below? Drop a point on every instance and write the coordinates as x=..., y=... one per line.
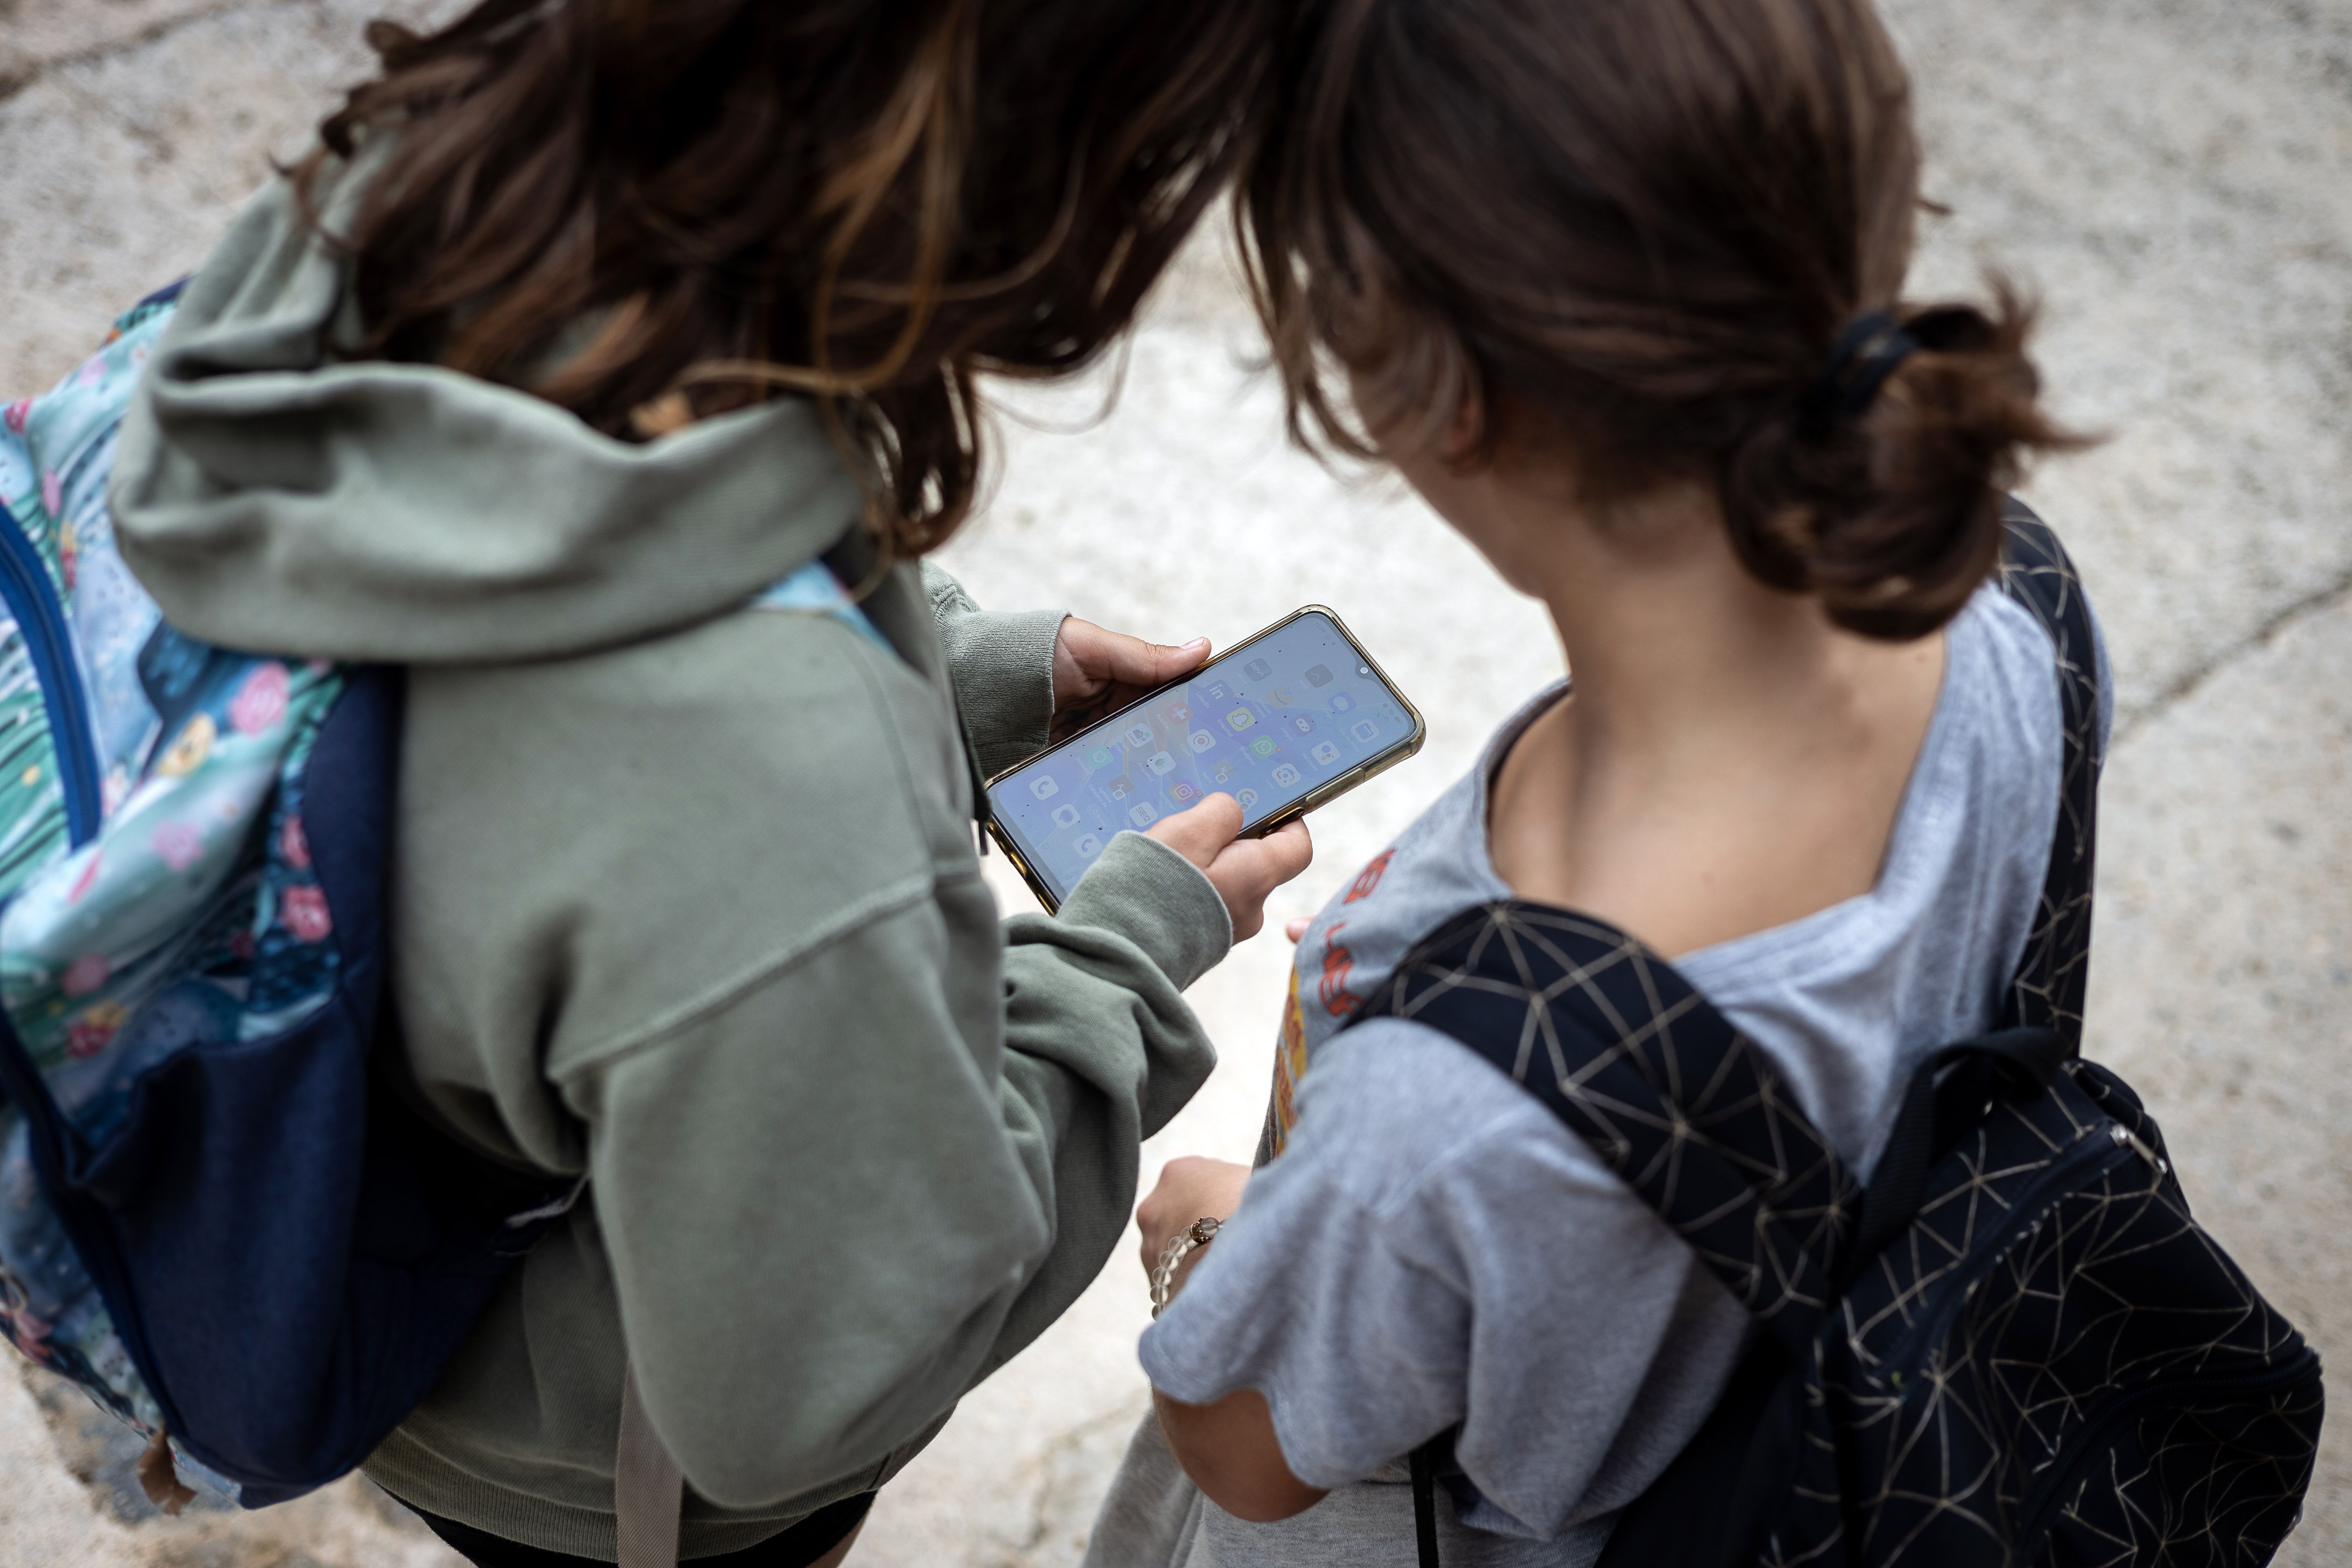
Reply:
x=590, y=324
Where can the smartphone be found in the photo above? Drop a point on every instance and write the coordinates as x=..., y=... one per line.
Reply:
x=1298, y=715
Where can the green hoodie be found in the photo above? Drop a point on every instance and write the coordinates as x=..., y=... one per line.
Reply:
x=685, y=899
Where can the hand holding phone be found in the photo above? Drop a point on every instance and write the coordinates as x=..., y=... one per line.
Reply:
x=1244, y=871
x=1291, y=718
x=1098, y=671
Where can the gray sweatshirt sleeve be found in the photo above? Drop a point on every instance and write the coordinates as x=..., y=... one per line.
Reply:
x=1434, y=1250
x=1141, y=897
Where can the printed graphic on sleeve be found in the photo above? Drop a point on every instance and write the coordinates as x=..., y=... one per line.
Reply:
x=1334, y=967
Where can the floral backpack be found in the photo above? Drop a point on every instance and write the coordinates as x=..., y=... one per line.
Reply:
x=218, y=1214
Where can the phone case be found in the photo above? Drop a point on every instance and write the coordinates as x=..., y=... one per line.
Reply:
x=1322, y=794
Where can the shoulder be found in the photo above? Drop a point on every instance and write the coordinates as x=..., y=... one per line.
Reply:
x=726, y=711
x=1996, y=751
x=2002, y=679
x=1396, y=1114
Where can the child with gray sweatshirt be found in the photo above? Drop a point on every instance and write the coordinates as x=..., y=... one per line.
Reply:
x=1618, y=289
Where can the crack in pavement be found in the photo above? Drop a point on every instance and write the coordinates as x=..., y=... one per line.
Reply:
x=1044, y=1463
x=2186, y=685
x=18, y=80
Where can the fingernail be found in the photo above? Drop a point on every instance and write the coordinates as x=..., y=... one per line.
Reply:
x=1196, y=642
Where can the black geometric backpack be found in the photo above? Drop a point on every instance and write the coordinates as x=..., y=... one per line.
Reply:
x=2016, y=1348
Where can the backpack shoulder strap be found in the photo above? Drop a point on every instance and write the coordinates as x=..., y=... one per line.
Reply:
x=2048, y=989
x=1672, y=1098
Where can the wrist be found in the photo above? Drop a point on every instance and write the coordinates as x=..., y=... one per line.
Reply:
x=1158, y=900
x=1178, y=1258
x=1002, y=667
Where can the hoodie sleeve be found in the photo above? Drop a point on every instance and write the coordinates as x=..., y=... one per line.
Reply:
x=827, y=1219
x=1002, y=664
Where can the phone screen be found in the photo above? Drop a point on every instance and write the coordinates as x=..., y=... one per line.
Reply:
x=1267, y=723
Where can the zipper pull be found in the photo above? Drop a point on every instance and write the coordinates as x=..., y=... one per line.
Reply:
x=2126, y=1139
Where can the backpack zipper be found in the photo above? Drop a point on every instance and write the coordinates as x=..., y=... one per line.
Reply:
x=2125, y=1138
x=25, y=589
x=2089, y=1153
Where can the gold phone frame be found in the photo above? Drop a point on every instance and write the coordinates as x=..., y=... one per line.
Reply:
x=1322, y=794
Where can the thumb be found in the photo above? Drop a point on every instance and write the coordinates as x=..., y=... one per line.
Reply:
x=1200, y=834
x=1116, y=657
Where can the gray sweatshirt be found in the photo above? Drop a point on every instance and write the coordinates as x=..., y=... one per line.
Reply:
x=685, y=899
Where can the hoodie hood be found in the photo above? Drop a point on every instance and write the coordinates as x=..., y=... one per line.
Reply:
x=273, y=494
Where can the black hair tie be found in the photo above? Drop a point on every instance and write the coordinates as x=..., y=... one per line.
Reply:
x=1863, y=356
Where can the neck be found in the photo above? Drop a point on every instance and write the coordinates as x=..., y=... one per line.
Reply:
x=1731, y=761
x=1670, y=638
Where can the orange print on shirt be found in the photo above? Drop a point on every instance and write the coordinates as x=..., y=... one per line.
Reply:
x=1330, y=990
x=1370, y=878
x=1289, y=1066
x=1338, y=962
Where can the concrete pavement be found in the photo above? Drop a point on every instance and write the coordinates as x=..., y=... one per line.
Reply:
x=2170, y=174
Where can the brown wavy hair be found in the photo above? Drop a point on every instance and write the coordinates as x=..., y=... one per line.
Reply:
x=866, y=200
x=1638, y=227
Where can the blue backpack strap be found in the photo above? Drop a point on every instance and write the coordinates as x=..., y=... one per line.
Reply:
x=815, y=589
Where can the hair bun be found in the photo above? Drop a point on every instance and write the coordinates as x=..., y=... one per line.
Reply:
x=1892, y=512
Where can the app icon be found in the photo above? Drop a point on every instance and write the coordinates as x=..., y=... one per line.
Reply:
x=1366, y=732
x=1099, y=757
x=1280, y=697
x=1285, y=774
x=1246, y=799
x=1302, y=723
x=1159, y=761
x=1319, y=676
x=1045, y=788
x=1138, y=734
x=1142, y=815
x=1183, y=792
x=1326, y=754
x=1202, y=740
x=1221, y=773
x=1176, y=714
x=1257, y=669
x=1263, y=746
x=1065, y=816
x=1215, y=691
x=1089, y=847
x=1120, y=788
x=1241, y=718
x=1341, y=703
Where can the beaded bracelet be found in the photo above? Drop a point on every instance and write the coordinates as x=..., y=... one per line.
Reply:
x=1200, y=1233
